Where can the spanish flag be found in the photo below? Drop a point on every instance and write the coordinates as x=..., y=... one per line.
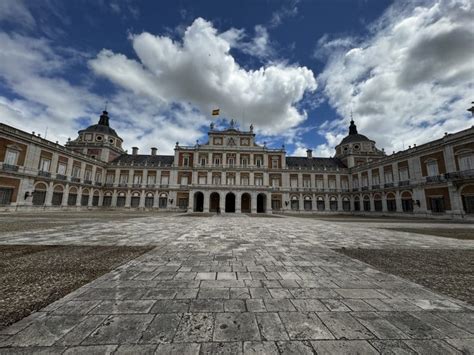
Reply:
x=215, y=112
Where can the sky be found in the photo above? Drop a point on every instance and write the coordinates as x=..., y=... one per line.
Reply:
x=297, y=70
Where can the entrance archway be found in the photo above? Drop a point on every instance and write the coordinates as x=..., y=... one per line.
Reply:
x=214, y=203
x=245, y=203
x=198, y=202
x=261, y=203
x=230, y=202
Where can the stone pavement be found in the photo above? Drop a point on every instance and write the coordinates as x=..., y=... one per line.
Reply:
x=244, y=285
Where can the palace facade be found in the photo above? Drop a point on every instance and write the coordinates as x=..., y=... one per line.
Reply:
x=231, y=173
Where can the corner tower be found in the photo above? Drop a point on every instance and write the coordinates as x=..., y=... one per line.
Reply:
x=99, y=141
x=356, y=149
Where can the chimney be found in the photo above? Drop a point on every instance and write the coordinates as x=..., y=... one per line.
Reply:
x=153, y=151
x=134, y=150
x=309, y=153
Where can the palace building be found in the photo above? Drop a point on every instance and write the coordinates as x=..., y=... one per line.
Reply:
x=231, y=173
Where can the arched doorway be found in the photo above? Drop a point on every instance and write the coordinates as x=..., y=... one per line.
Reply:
x=214, y=202
x=230, y=202
x=407, y=202
x=198, y=202
x=261, y=202
x=245, y=205
x=467, y=195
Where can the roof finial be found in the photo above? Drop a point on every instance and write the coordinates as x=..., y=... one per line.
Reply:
x=105, y=106
x=471, y=109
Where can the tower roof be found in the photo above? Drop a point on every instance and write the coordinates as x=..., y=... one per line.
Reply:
x=353, y=135
x=102, y=127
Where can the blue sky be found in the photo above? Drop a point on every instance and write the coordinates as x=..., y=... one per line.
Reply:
x=294, y=69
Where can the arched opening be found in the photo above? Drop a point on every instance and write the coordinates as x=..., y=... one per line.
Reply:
x=366, y=203
x=320, y=203
x=214, y=203
x=391, y=202
x=149, y=199
x=378, y=203
x=107, y=201
x=333, y=205
x=346, y=204
x=121, y=199
x=39, y=194
x=230, y=203
x=95, y=198
x=261, y=203
x=308, y=203
x=467, y=195
x=295, y=203
x=85, y=197
x=356, y=203
x=245, y=203
x=163, y=200
x=407, y=202
x=135, y=200
x=72, y=197
x=198, y=202
x=57, y=196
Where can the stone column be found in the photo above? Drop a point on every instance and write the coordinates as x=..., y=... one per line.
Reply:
x=128, y=198
x=206, y=201
x=398, y=201
x=269, y=203
x=238, y=202
x=142, y=199
x=114, y=199
x=222, y=201
x=253, y=202
x=191, y=201
x=65, y=195
x=301, y=200
x=79, y=196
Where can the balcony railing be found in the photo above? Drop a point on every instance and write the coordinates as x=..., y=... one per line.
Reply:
x=136, y=185
x=465, y=174
x=75, y=179
x=61, y=177
x=435, y=179
x=97, y=183
x=123, y=184
x=88, y=182
x=9, y=167
x=375, y=187
x=355, y=189
x=365, y=188
x=388, y=185
x=44, y=173
x=109, y=184
x=404, y=183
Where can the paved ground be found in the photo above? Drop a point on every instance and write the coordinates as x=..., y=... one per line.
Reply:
x=240, y=284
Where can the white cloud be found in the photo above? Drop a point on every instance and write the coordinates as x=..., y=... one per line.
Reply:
x=15, y=11
x=410, y=80
x=201, y=71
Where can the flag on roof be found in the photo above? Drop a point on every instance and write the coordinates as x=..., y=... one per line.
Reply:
x=215, y=112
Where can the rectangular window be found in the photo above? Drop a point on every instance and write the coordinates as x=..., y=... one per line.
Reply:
x=184, y=180
x=244, y=162
x=87, y=175
x=137, y=179
x=244, y=180
x=98, y=177
x=123, y=179
x=306, y=182
x=230, y=180
x=432, y=168
x=185, y=161
x=203, y=161
x=76, y=171
x=165, y=179
x=151, y=180
x=231, y=161
x=202, y=180
x=294, y=182
x=365, y=180
x=345, y=184
x=258, y=181
x=403, y=173
x=216, y=180
x=62, y=169
x=320, y=184
x=375, y=180
x=258, y=162
x=45, y=164
x=217, y=161
x=275, y=182
x=110, y=178
x=355, y=183
x=388, y=177
x=11, y=157
x=274, y=163
x=466, y=162
x=332, y=184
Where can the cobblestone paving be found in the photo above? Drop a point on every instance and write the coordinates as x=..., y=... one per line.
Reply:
x=243, y=285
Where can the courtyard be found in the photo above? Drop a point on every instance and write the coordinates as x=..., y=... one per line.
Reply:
x=254, y=285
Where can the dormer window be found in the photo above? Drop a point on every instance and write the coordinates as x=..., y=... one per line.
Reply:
x=99, y=138
x=356, y=147
x=111, y=141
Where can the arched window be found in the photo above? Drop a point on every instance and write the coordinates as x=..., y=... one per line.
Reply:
x=149, y=199
x=407, y=202
x=333, y=203
x=107, y=202
x=57, y=195
x=356, y=203
x=163, y=200
x=346, y=204
x=308, y=203
x=378, y=203
x=366, y=203
x=320, y=203
x=135, y=200
x=121, y=199
x=391, y=202
x=295, y=203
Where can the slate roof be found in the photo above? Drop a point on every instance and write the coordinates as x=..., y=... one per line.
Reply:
x=314, y=163
x=101, y=129
x=141, y=159
x=355, y=138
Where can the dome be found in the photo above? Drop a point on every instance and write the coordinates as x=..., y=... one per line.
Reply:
x=351, y=138
x=354, y=136
x=102, y=127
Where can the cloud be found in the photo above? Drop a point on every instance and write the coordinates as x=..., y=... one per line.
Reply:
x=286, y=11
x=410, y=80
x=201, y=71
x=15, y=11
